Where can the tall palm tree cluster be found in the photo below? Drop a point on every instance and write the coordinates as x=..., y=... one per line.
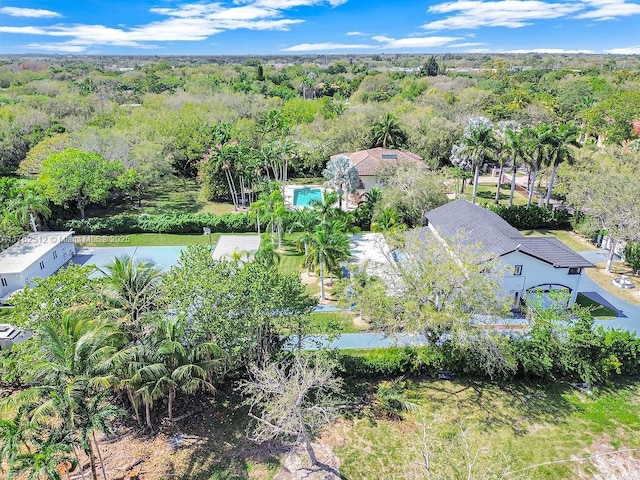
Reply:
x=145, y=340
x=508, y=144
x=233, y=169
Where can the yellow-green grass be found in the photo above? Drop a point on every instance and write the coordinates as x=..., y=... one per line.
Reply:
x=341, y=322
x=604, y=279
x=145, y=240
x=571, y=239
x=516, y=425
x=598, y=310
x=487, y=194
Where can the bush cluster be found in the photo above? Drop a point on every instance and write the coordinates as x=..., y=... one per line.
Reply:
x=162, y=223
x=580, y=353
x=533, y=217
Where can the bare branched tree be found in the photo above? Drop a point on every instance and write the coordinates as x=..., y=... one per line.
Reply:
x=292, y=400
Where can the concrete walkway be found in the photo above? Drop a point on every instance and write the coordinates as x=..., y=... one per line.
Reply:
x=228, y=244
x=628, y=313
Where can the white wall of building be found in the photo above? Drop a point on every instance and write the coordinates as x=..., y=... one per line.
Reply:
x=369, y=181
x=46, y=265
x=536, y=273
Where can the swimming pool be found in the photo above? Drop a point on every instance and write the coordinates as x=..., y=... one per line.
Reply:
x=302, y=197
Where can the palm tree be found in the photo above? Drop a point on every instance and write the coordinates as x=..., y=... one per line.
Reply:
x=563, y=137
x=187, y=368
x=259, y=209
x=386, y=220
x=325, y=207
x=131, y=286
x=342, y=176
x=12, y=437
x=74, y=370
x=513, y=144
x=536, y=145
x=30, y=208
x=305, y=221
x=267, y=254
x=44, y=461
x=505, y=133
x=477, y=145
x=387, y=132
x=330, y=245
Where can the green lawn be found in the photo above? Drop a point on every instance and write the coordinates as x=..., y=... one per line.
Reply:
x=177, y=196
x=341, y=322
x=516, y=424
x=597, y=310
x=569, y=238
x=487, y=194
x=144, y=240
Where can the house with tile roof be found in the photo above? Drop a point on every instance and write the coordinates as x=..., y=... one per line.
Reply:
x=536, y=265
x=368, y=162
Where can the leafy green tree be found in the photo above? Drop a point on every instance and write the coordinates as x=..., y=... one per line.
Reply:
x=632, y=256
x=386, y=220
x=387, y=132
x=30, y=207
x=79, y=177
x=431, y=68
x=342, y=176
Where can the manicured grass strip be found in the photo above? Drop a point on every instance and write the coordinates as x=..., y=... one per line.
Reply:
x=597, y=309
x=145, y=240
x=487, y=194
x=342, y=322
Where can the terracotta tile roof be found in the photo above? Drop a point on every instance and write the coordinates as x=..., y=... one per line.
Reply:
x=367, y=162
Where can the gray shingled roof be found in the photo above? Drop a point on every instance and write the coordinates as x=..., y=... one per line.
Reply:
x=466, y=224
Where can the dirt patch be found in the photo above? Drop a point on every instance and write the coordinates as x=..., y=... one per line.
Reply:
x=608, y=463
x=296, y=465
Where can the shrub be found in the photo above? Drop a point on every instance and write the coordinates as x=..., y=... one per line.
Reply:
x=533, y=217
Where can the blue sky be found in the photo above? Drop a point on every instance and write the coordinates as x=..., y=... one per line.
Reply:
x=170, y=27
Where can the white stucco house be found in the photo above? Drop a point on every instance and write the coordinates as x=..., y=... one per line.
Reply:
x=367, y=162
x=39, y=254
x=538, y=265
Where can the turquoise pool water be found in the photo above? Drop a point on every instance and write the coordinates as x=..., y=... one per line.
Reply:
x=302, y=197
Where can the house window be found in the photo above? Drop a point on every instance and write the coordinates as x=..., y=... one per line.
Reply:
x=575, y=271
x=517, y=270
x=55, y=254
x=4, y=282
x=41, y=265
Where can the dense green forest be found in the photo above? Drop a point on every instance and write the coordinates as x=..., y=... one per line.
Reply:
x=135, y=345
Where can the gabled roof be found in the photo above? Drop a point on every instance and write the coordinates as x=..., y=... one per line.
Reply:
x=367, y=162
x=467, y=224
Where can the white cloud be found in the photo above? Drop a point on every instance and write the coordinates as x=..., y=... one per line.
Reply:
x=354, y=34
x=415, y=42
x=498, y=13
x=635, y=50
x=28, y=12
x=547, y=50
x=609, y=9
x=314, y=47
x=186, y=22
x=466, y=44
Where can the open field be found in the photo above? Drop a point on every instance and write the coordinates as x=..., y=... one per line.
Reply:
x=571, y=239
x=177, y=196
x=514, y=425
x=509, y=426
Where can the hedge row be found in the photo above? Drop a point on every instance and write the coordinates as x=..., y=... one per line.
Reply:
x=586, y=354
x=164, y=223
x=533, y=217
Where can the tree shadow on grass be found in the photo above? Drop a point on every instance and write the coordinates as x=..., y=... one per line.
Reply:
x=225, y=451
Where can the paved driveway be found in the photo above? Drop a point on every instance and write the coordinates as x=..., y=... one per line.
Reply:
x=228, y=244
x=628, y=313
